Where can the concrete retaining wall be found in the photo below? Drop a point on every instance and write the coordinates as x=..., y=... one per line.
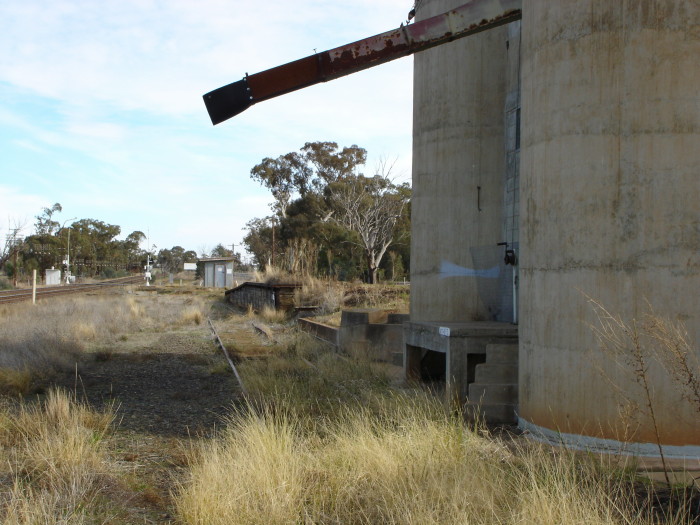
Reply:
x=322, y=331
x=367, y=333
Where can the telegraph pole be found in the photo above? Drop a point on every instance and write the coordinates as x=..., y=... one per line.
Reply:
x=273, y=243
x=14, y=273
x=67, y=261
x=12, y=242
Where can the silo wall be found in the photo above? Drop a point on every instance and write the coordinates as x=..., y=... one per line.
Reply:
x=610, y=209
x=458, y=169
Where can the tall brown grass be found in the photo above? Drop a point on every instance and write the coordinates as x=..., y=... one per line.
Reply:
x=311, y=380
x=326, y=294
x=194, y=312
x=54, y=460
x=43, y=338
x=408, y=463
x=634, y=347
x=634, y=344
x=326, y=440
x=273, y=275
x=388, y=297
x=270, y=314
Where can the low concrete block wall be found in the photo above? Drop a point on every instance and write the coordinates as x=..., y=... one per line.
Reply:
x=322, y=331
x=368, y=333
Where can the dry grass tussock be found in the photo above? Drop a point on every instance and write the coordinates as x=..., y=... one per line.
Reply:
x=407, y=463
x=326, y=440
x=272, y=315
x=388, y=297
x=632, y=345
x=331, y=296
x=54, y=461
x=326, y=294
x=635, y=348
x=194, y=312
x=273, y=275
x=312, y=381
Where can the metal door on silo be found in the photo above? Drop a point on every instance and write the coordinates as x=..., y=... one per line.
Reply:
x=220, y=276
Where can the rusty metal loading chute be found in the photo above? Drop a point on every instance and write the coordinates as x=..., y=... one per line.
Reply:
x=470, y=18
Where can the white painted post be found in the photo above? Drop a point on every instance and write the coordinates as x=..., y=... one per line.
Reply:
x=33, y=286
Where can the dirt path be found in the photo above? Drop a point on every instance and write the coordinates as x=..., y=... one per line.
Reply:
x=169, y=389
x=177, y=385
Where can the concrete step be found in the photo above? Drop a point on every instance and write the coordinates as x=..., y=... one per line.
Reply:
x=502, y=353
x=492, y=413
x=489, y=373
x=493, y=393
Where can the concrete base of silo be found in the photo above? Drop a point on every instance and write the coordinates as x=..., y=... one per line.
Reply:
x=475, y=362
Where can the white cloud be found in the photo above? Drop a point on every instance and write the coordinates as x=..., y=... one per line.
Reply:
x=108, y=97
x=14, y=206
x=29, y=145
x=154, y=57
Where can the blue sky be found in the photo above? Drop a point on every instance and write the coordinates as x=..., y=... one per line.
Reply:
x=101, y=108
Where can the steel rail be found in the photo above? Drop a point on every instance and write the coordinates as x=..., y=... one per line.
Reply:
x=14, y=296
x=220, y=344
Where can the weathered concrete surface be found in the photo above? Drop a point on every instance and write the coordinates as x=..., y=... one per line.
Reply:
x=371, y=333
x=493, y=396
x=464, y=346
x=320, y=330
x=610, y=200
x=458, y=168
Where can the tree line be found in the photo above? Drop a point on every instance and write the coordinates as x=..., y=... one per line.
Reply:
x=92, y=249
x=330, y=219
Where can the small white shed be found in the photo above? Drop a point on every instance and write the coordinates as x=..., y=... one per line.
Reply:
x=52, y=277
x=218, y=272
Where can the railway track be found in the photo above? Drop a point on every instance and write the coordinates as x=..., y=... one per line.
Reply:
x=220, y=344
x=46, y=292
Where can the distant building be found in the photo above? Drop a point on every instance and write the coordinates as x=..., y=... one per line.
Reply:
x=218, y=272
x=52, y=277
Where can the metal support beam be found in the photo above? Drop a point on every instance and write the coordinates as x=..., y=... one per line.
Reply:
x=468, y=19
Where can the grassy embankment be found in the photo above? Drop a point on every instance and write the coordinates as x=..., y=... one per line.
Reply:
x=62, y=461
x=329, y=440
x=324, y=440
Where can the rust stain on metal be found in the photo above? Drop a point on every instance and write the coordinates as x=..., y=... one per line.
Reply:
x=476, y=16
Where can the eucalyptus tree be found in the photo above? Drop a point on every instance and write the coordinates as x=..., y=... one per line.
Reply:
x=371, y=207
x=328, y=216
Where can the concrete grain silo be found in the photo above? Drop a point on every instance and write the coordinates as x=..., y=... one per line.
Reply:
x=556, y=162
x=610, y=193
x=605, y=204
x=465, y=216
x=458, y=167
